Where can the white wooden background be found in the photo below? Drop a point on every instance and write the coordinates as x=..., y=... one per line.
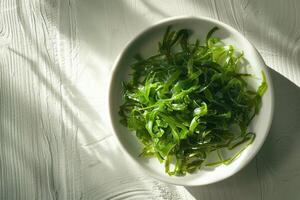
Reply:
x=55, y=59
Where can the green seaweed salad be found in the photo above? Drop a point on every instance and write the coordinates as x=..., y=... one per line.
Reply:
x=184, y=102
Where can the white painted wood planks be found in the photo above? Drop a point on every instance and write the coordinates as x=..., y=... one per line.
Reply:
x=55, y=59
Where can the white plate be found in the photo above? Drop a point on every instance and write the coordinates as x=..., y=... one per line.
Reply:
x=146, y=43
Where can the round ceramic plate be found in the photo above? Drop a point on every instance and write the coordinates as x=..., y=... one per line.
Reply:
x=146, y=44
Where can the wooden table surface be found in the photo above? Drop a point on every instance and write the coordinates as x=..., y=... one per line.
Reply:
x=55, y=60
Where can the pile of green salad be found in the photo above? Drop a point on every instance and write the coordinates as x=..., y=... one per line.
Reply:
x=183, y=102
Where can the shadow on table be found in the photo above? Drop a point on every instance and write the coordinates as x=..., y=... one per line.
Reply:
x=72, y=160
x=275, y=172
